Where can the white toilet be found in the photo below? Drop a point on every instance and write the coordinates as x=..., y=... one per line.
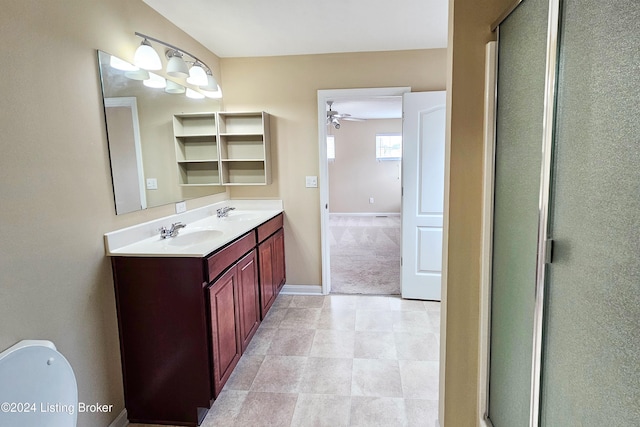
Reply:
x=37, y=387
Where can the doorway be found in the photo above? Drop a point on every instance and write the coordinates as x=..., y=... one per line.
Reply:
x=354, y=230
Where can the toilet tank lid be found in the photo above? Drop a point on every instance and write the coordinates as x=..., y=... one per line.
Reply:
x=27, y=343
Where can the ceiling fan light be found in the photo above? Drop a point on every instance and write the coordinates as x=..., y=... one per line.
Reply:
x=146, y=57
x=176, y=67
x=197, y=76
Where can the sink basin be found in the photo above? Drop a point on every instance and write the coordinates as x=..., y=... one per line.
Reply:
x=241, y=216
x=193, y=237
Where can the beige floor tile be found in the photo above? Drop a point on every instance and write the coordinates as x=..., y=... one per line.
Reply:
x=225, y=409
x=374, y=320
x=377, y=412
x=376, y=377
x=313, y=410
x=282, y=301
x=274, y=317
x=417, y=346
x=266, y=409
x=372, y=302
x=301, y=318
x=307, y=301
x=327, y=376
x=432, y=305
x=421, y=413
x=337, y=318
x=291, y=342
x=244, y=373
x=331, y=343
x=399, y=304
x=375, y=345
x=434, y=317
x=279, y=374
x=341, y=301
x=419, y=379
x=417, y=321
x=261, y=341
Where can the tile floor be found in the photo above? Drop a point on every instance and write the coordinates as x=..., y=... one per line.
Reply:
x=337, y=360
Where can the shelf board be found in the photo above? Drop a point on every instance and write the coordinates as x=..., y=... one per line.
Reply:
x=198, y=161
x=242, y=160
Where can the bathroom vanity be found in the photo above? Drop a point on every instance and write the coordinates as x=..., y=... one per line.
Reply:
x=188, y=308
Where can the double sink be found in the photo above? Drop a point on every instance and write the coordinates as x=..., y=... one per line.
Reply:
x=203, y=234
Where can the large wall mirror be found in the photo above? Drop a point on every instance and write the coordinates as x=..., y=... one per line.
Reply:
x=139, y=121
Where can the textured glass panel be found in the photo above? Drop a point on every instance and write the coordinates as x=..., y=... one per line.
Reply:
x=521, y=71
x=591, y=371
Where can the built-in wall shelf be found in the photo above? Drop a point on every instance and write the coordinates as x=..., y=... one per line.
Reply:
x=224, y=148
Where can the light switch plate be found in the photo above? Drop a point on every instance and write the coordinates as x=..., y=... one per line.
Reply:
x=152, y=184
x=181, y=207
x=312, y=181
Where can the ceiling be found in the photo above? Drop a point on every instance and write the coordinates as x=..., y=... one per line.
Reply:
x=248, y=28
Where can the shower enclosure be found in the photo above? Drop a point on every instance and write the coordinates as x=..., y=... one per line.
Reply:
x=564, y=334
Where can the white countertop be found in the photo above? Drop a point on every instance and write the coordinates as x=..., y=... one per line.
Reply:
x=204, y=233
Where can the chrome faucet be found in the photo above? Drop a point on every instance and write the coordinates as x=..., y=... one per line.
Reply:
x=171, y=232
x=224, y=212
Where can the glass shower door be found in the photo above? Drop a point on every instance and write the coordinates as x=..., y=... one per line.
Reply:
x=591, y=357
x=518, y=157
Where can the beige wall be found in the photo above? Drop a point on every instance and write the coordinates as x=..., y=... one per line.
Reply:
x=287, y=88
x=55, y=185
x=469, y=30
x=355, y=175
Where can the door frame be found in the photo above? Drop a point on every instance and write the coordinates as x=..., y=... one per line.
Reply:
x=323, y=184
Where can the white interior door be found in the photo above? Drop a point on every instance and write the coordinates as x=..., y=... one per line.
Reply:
x=423, y=141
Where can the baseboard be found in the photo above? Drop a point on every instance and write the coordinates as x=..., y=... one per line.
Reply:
x=301, y=290
x=121, y=420
x=365, y=214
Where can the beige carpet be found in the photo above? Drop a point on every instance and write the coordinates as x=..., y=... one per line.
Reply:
x=365, y=254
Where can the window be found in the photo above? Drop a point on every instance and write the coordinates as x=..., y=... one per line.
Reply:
x=331, y=147
x=388, y=146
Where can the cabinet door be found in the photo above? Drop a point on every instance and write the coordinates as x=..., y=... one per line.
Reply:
x=267, y=288
x=225, y=330
x=279, y=273
x=248, y=295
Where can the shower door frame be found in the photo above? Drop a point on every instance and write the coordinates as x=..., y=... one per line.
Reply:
x=544, y=241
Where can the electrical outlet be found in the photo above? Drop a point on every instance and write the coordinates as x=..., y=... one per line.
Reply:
x=152, y=184
x=311, y=181
x=181, y=207
x=371, y=200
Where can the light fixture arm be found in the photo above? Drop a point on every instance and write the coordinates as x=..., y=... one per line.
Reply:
x=184, y=52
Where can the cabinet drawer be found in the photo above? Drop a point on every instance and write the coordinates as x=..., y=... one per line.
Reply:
x=224, y=258
x=269, y=227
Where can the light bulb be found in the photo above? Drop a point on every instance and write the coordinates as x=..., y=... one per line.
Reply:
x=197, y=76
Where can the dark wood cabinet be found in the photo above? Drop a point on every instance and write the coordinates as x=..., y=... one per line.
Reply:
x=248, y=298
x=272, y=262
x=185, y=322
x=225, y=327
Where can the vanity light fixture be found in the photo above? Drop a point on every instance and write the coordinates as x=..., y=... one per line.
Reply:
x=193, y=69
x=174, y=88
x=193, y=94
x=155, y=81
x=176, y=67
x=197, y=75
x=146, y=57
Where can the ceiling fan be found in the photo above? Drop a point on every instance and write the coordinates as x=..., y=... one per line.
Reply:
x=334, y=117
